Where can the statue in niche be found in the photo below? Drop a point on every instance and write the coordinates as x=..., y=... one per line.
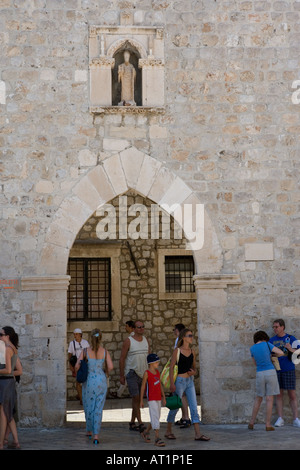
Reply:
x=127, y=77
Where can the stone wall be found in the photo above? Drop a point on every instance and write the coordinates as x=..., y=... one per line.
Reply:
x=229, y=130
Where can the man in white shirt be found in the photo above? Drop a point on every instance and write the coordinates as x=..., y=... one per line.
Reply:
x=133, y=363
x=75, y=349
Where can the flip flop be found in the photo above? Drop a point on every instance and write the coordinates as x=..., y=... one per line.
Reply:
x=202, y=438
x=159, y=442
x=170, y=436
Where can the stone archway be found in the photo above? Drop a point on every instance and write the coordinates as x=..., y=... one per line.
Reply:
x=128, y=169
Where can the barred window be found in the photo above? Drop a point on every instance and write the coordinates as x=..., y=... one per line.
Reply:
x=179, y=272
x=89, y=293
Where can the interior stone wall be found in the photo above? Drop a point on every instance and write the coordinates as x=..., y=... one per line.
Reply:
x=140, y=295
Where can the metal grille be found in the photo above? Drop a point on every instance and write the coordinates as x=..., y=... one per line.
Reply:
x=179, y=272
x=89, y=293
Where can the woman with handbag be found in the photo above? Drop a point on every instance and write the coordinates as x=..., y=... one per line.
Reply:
x=266, y=377
x=94, y=389
x=185, y=383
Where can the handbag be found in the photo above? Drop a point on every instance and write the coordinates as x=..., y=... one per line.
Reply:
x=82, y=372
x=73, y=358
x=274, y=360
x=174, y=402
x=165, y=375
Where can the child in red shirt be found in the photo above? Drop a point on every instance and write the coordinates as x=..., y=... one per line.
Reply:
x=155, y=396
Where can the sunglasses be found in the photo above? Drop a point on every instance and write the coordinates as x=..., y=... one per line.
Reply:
x=140, y=327
x=189, y=336
x=2, y=334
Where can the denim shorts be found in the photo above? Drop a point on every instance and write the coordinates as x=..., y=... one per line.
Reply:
x=186, y=385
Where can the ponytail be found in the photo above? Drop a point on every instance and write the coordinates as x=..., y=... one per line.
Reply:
x=96, y=338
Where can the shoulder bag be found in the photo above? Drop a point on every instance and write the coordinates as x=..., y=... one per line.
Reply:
x=82, y=373
x=274, y=359
x=165, y=375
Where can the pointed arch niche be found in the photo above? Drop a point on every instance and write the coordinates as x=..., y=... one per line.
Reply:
x=106, y=49
x=129, y=169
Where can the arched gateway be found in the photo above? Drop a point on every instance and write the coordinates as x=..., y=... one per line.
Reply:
x=128, y=169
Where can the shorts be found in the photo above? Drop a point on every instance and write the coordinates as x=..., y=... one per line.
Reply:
x=134, y=383
x=287, y=379
x=154, y=411
x=267, y=383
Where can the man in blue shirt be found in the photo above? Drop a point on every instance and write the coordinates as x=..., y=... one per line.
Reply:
x=287, y=375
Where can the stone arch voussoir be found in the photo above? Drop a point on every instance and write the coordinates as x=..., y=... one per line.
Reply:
x=128, y=169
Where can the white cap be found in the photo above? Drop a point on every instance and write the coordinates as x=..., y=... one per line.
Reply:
x=77, y=330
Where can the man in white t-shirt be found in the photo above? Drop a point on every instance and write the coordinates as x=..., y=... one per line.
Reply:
x=133, y=363
x=75, y=349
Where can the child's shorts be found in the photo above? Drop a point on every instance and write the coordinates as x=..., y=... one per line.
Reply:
x=154, y=410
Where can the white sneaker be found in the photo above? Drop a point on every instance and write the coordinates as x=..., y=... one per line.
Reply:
x=296, y=422
x=279, y=422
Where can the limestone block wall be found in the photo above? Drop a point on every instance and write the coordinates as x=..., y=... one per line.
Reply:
x=229, y=132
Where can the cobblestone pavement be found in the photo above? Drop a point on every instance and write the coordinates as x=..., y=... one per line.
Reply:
x=115, y=435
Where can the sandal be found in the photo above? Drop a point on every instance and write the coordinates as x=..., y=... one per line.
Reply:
x=145, y=436
x=14, y=445
x=202, y=438
x=185, y=423
x=141, y=428
x=170, y=436
x=179, y=423
x=133, y=427
x=159, y=442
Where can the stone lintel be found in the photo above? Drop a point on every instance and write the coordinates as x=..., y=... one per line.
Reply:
x=37, y=283
x=215, y=281
x=127, y=109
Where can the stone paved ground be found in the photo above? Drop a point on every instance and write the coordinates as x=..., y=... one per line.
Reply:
x=116, y=437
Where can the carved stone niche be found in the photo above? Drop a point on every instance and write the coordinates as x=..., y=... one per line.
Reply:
x=107, y=45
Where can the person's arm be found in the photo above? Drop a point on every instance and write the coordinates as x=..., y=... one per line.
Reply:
x=109, y=362
x=18, y=370
x=277, y=352
x=77, y=366
x=143, y=386
x=192, y=371
x=124, y=352
x=163, y=396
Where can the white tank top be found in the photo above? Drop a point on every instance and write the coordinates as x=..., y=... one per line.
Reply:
x=137, y=356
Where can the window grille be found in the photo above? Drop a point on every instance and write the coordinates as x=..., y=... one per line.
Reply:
x=89, y=293
x=179, y=272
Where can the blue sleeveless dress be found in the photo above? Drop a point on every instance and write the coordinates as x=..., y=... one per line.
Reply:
x=94, y=394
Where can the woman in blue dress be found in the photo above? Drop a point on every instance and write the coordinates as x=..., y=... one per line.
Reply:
x=95, y=388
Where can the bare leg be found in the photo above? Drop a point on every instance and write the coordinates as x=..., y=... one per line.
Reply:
x=269, y=409
x=3, y=426
x=256, y=406
x=14, y=432
x=136, y=411
x=293, y=403
x=279, y=404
